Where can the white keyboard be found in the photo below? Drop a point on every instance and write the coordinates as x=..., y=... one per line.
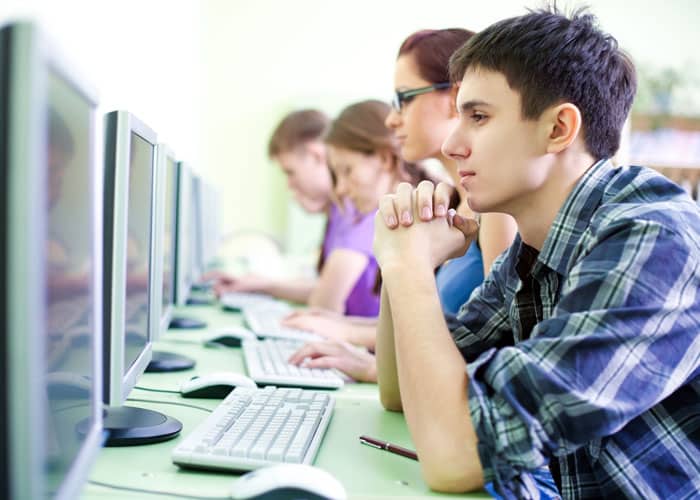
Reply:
x=253, y=428
x=266, y=321
x=266, y=362
x=240, y=300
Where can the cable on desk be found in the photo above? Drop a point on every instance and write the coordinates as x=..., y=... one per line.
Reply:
x=149, y=389
x=174, y=403
x=153, y=492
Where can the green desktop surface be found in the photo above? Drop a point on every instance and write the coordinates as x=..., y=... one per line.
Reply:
x=365, y=472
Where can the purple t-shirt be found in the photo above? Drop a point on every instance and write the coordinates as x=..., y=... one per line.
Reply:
x=352, y=230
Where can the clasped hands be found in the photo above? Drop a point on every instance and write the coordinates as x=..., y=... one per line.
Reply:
x=414, y=227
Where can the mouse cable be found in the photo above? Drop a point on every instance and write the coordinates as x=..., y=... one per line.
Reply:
x=153, y=492
x=149, y=389
x=174, y=403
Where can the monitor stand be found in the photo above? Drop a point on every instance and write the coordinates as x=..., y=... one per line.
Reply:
x=182, y=323
x=129, y=426
x=162, y=361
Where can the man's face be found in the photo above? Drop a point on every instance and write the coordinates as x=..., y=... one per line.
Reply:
x=500, y=156
x=308, y=177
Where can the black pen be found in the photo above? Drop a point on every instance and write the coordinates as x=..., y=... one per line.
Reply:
x=391, y=448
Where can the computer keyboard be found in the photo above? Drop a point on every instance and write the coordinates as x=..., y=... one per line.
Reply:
x=266, y=362
x=253, y=428
x=266, y=321
x=238, y=301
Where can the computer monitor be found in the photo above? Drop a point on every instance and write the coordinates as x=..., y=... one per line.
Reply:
x=211, y=224
x=50, y=270
x=185, y=239
x=162, y=297
x=129, y=200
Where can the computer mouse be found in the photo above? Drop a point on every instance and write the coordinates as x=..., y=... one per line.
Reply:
x=215, y=385
x=229, y=337
x=287, y=482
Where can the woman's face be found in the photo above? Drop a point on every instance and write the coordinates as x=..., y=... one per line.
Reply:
x=307, y=174
x=361, y=178
x=425, y=122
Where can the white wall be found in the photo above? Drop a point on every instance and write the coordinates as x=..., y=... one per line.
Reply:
x=143, y=56
x=267, y=57
x=213, y=77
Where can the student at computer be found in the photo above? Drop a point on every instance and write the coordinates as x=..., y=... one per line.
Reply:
x=346, y=269
x=580, y=350
x=423, y=114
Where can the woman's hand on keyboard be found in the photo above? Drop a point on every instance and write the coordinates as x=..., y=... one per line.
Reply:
x=356, y=362
x=247, y=283
x=329, y=324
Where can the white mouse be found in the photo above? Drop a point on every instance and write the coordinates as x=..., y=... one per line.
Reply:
x=229, y=337
x=286, y=482
x=215, y=385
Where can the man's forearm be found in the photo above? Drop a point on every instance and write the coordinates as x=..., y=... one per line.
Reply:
x=432, y=375
x=387, y=376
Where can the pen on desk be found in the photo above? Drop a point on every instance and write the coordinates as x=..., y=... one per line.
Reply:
x=391, y=448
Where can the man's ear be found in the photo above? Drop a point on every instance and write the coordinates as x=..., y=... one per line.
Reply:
x=563, y=126
x=317, y=150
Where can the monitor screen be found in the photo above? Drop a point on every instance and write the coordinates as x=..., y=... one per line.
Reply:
x=196, y=227
x=137, y=248
x=70, y=267
x=185, y=237
x=169, y=234
x=52, y=255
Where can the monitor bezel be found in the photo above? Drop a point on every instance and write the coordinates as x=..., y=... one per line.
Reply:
x=33, y=58
x=119, y=125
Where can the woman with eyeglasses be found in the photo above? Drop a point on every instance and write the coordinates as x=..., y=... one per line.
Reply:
x=423, y=115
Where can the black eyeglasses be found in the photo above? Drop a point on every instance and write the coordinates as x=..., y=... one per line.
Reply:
x=403, y=97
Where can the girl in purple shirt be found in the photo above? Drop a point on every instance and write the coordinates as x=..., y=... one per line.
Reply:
x=347, y=270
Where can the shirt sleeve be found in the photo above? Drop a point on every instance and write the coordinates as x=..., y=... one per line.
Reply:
x=622, y=337
x=355, y=234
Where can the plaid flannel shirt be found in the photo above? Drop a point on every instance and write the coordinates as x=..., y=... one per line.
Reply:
x=608, y=380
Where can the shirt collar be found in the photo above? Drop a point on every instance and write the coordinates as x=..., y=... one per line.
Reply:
x=574, y=217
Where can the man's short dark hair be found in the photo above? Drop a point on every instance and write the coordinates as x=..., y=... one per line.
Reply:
x=549, y=58
x=295, y=129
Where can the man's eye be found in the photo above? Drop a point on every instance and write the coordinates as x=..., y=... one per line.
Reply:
x=478, y=117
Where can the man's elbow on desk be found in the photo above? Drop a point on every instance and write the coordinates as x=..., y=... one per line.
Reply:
x=446, y=477
x=452, y=470
x=390, y=402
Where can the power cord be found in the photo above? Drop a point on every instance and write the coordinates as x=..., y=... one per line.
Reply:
x=153, y=492
x=150, y=389
x=174, y=403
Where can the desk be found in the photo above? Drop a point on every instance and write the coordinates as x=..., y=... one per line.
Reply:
x=365, y=472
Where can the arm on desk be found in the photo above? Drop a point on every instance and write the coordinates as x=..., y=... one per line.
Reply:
x=387, y=375
x=340, y=272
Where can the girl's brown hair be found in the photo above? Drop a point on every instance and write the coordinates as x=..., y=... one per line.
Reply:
x=360, y=127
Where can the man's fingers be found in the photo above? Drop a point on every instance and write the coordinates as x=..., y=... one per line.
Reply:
x=469, y=227
x=424, y=200
x=441, y=198
x=387, y=211
x=404, y=203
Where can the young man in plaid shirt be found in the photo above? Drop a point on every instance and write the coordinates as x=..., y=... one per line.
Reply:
x=581, y=350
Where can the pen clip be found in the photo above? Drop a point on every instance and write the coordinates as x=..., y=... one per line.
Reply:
x=369, y=443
